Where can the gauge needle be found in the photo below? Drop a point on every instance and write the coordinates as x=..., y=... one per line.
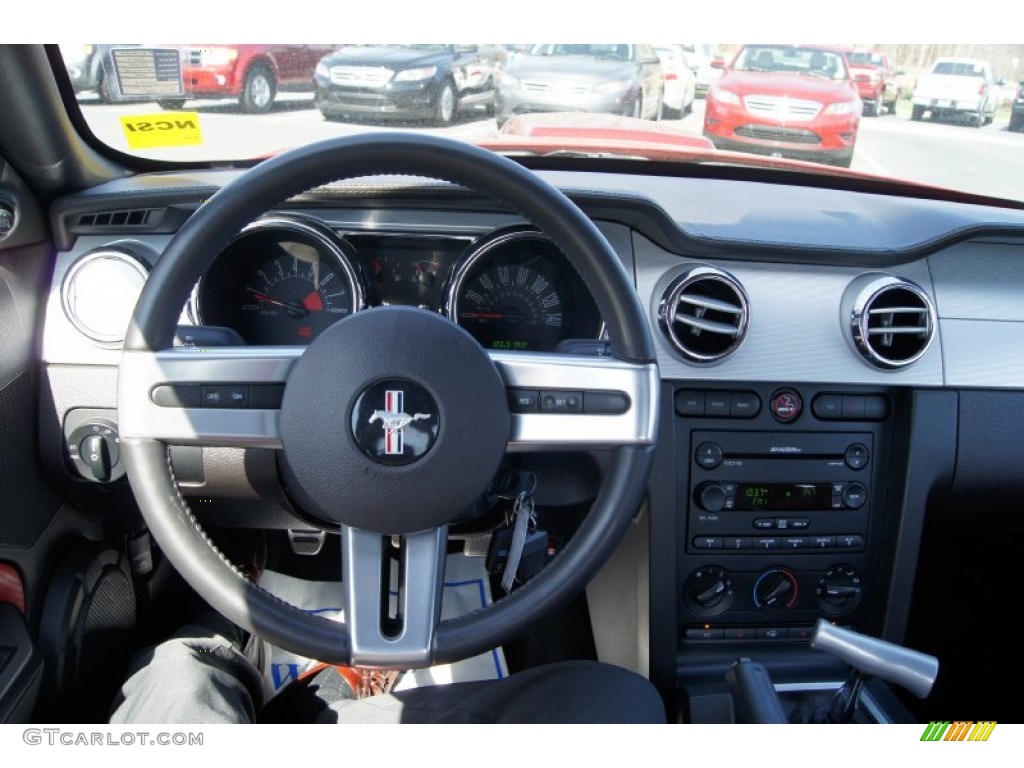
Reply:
x=482, y=315
x=268, y=300
x=292, y=308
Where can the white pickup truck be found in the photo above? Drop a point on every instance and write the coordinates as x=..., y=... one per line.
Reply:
x=956, y=88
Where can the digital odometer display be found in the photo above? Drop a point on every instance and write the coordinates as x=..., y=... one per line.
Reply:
x=783, y=496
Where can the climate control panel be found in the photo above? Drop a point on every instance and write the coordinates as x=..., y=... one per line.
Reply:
x=777, y=596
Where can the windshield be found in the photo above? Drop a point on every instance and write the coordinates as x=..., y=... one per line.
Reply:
x=792, y=60
x=960, y=68
x=864, y=59
x=601, y=50
x=764, y=105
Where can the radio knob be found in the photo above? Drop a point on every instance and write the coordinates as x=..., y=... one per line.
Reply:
x=713, y=498
x=854, y=495
x=708, y=591
x=839, y=589
x=776, y=590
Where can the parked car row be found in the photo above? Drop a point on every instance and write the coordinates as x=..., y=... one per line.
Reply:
x=798, y=102
x=432, y=82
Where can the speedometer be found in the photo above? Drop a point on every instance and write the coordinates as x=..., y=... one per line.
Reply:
x=512, y=307
x=282, y=281
x=516, y=291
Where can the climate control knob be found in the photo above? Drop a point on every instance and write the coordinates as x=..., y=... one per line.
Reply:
x=708, y=591
x=776, y=590
x=839, y=589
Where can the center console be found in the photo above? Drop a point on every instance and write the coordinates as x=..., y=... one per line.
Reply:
x=774, y=506
x=777, y=498
x=777, y=527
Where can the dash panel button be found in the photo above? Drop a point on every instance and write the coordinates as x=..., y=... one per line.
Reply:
x=709, y=455
x=744, y=405
x=786, y=405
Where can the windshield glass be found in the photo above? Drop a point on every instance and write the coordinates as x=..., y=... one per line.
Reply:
x=601, y=51
x=792, y=60
x=876, y=109
x=864, y=59
x=961, y=68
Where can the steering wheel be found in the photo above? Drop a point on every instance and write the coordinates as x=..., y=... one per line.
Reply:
x=334, y=455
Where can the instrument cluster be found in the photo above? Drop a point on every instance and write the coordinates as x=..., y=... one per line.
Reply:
x=285, y=278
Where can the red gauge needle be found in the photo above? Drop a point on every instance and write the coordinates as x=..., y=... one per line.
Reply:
x=268, y=300
x=482, y=315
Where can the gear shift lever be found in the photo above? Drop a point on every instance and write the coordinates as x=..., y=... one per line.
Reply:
x=871, y=657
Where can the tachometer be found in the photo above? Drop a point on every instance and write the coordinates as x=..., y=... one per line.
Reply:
x=282, y=281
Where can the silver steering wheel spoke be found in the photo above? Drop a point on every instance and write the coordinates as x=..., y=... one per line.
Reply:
x=582, y=402
x=166, y=395
x=392, y=595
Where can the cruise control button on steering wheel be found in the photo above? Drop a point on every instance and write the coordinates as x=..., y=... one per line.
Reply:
x=392, y=421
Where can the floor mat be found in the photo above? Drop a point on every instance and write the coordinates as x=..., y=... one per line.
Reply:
x=466, y=589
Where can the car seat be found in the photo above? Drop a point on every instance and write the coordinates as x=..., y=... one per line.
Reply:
x=765, y=61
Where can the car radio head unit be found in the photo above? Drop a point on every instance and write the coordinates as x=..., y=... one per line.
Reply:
x=812, y=485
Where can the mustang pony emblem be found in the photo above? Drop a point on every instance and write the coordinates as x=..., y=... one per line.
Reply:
x=395, y=420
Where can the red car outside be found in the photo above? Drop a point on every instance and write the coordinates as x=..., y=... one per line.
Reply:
x=251, y=73
x=788, y=101
x=875, y=78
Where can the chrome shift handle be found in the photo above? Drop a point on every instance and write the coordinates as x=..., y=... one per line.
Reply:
x=913, y=670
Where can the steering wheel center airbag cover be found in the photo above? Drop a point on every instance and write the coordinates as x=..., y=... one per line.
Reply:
x=346, y=471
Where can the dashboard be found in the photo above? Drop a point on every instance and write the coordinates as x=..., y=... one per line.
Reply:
x=828, y=359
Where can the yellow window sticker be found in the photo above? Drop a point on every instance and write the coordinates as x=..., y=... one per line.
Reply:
x=163, y=129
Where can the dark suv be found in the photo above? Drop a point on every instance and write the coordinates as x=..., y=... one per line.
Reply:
x=406, y=81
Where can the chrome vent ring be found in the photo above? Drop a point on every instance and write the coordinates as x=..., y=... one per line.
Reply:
x=892, y=322
x=704, y=314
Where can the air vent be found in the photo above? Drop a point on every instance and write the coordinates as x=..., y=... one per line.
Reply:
x=892, y=321
x=138, y=217
x=704, y=314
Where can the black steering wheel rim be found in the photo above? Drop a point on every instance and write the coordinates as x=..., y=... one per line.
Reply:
x=258, y=190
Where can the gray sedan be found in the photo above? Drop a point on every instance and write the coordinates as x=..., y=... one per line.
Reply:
x=615, y=78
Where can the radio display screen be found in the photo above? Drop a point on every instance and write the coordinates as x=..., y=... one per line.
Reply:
x=787, y=497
